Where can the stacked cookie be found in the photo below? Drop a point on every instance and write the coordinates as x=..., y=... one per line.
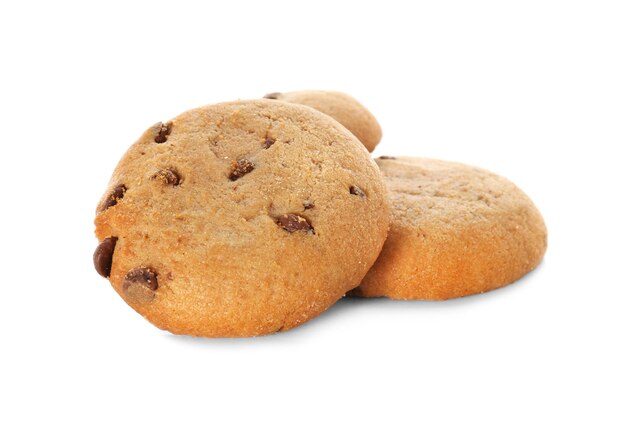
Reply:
x=251, y=217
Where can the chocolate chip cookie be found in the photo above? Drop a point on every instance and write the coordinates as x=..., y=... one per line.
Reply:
x=240, y=219
x=343, y=108
x=456, y=230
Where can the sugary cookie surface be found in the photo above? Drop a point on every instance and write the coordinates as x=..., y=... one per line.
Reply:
x=455, y=230
x=343, y=108
x=240, y=219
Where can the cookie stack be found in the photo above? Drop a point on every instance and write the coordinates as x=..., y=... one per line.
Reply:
x=251, y=217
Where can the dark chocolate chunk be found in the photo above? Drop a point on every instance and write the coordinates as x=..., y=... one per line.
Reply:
x=167, y=176
x=164, y=131
x=308, y=205
x=116, y=195
x=144, y=276
x=272, y=96
x=357, y=191
x=292, y=223
x=240, y=168
x=268, y=142
x=103, y=256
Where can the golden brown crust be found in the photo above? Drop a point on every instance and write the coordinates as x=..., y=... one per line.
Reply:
x=343, y=108
x=200, y=246
x=456, y=230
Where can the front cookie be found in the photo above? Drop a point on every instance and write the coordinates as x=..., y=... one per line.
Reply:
x=240, y=219
x=456, y=230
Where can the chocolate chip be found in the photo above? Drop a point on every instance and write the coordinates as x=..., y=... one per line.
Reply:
x=308, y=205
x=240, y=168
x=144, y=276
x=167, y=176
x=164, y=132
x=292, y=223
x=388, y=157
x=268, y=142
x=103, y=256
x=357, y=191
x=116, y=195
x=272, y=96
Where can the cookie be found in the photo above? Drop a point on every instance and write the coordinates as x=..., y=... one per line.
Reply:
x=240, y=219
x=456, y=230
x=343, y=108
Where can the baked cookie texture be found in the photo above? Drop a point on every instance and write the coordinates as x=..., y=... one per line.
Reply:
x=343, y=108
x=456, y=230
x=241, y=219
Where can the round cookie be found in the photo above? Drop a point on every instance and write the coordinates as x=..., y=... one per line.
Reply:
x=240, y=219
x=456, y=230
x=343, y=108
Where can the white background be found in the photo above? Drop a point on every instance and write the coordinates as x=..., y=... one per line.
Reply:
x=533, y=90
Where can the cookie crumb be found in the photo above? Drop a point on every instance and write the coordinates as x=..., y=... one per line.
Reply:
x=387, y=157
